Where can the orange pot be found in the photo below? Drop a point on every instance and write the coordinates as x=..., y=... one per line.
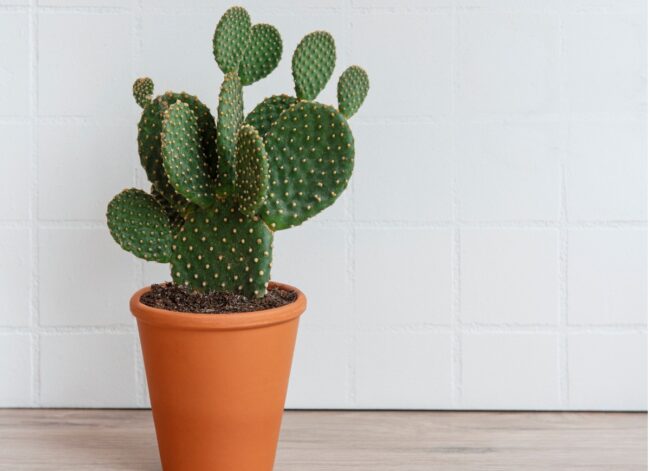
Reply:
x=217, y=383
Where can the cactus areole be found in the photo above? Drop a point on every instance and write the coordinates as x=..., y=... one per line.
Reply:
x=220, y=189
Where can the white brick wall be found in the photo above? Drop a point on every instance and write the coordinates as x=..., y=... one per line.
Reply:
x=491, y=252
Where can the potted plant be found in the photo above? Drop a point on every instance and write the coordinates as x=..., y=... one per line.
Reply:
x=218, y=341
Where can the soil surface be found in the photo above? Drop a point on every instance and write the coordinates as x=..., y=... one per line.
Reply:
x=181, y=299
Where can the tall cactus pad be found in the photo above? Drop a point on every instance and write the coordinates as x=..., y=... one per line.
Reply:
x=263, y=54
x=149, y=141
x=220, y=249
x=311, y=157
x=252, y=171
x=140, y=225
x=352, y=90
x=313, y=64
x=231, y=115
x=143, y=91
x=185, y=164
x=231, y=39
x=268, y=112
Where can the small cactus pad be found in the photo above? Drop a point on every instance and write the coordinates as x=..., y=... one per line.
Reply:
x=263, y=54
x=313, y=64
x=311, y=156
x=143, y=91
x=352, y=90
x=252, y=171
x=268, y=112
x=140, y=225
x=231, y=38
x=149, y=141
x=175, y=218
x=184, y=163
x=220, y=249
x=231, y=115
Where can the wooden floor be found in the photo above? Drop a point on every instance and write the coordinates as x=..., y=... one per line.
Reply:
x=332, y=441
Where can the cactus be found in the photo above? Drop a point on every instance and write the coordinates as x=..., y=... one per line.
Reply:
x=221, y=188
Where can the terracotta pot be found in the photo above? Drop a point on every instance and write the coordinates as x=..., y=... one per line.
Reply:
x=217, y=383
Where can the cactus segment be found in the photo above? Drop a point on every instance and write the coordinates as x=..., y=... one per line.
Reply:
x=143, y=91
x=184, y=163
x=149, y=142
x=175, y=218
x=311, y=157
x=231, y=115
x=313, y=64
x=251, y=170
x=231, y=38
x=140, y=225
x=352, y=90
x=220, y=249
x=268, y=112
x=263, y=54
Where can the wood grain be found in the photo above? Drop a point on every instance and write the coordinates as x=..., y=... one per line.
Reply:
x=345, y=440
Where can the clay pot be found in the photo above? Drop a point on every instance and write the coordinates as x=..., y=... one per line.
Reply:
x=217, y=383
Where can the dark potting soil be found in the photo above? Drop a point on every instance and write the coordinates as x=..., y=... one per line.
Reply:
x=182, y=299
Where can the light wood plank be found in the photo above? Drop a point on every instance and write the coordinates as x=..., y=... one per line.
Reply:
x=318, y=441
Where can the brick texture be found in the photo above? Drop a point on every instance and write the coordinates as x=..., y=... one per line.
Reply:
x=490, y=252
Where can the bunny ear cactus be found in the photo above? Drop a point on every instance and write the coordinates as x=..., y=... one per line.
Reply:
x=221, y=188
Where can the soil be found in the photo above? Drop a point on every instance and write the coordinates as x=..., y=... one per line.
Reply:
x=182, y=299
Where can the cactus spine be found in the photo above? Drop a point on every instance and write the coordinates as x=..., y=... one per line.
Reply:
x=221, y=188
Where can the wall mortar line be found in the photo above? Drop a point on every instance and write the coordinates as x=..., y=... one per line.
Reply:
x=35, y=320
x=457, y=347
x=563, y=240
x=136, y=52
x=351, y=241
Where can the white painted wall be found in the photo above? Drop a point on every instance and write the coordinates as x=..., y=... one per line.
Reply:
x=491, y=252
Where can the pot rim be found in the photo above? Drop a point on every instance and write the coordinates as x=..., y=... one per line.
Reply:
x=226, y=321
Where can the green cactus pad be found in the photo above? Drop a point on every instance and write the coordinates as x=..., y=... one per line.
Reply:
x=313, y=64
x=352, y=90
x=231, y=38
x=231, y=115
x=149, y=141
x=220, y=249
x=143, y=91
x=175, y=218
x=184, y=163
x=140, y=225
x=252, y=171
x=311, y=156
x=263, y=54
x=268, y=112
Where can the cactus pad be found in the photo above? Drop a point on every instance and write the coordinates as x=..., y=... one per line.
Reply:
x=220, y=249
x=231, y=38
x=149, y=141
x=184, y=163
x=268, y=112
x=352, y=90
x=251, y=170
x=311, y=156
x=263, y=54
x=313, y=63
x=140, y=225
x=143, y=91
x=231, y=115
